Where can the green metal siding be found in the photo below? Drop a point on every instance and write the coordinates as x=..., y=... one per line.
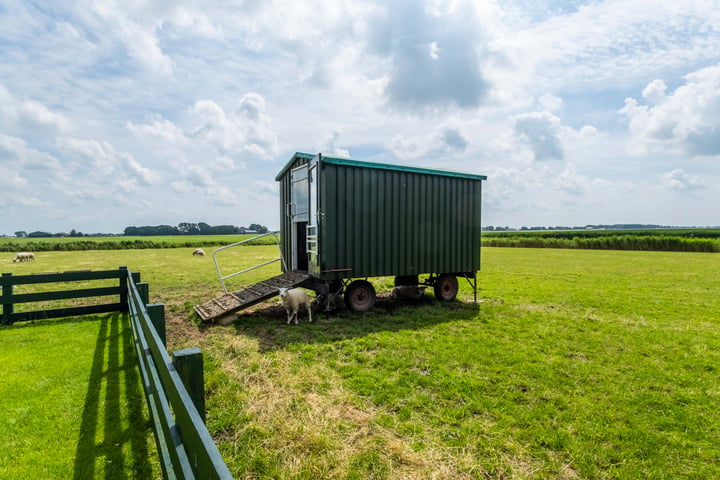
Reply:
x=396, y=222
x=385, y=220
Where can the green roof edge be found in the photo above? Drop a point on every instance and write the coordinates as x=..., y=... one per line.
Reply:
x=381, y=166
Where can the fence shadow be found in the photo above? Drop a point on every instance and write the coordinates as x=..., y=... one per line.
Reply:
x=268, y=323
x=113, y=440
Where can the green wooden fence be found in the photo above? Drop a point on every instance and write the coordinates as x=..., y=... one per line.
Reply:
x=9, y=299
x=173, y=385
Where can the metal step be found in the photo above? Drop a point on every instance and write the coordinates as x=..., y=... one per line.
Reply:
x=234, y=301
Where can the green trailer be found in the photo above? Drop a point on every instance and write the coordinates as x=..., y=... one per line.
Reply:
x=344, y=221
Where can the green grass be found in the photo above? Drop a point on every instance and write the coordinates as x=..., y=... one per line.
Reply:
x=576, y=364
x=73, y=405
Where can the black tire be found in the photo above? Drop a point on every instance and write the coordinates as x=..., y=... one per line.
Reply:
x=360, y=296
x=446, y=287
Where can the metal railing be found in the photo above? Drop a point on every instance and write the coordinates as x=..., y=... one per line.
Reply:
x=217, y=267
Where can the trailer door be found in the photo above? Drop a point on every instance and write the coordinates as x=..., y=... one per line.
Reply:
x=298, y=211
x=315, y=216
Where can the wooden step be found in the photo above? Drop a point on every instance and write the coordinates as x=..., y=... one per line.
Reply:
x=234, y=301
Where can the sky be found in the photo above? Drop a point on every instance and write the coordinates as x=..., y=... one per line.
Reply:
x=131, y=113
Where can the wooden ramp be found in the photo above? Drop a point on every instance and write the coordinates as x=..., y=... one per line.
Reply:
x=248, y=296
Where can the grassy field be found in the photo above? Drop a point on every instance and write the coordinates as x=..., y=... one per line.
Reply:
x=673, y=239
x=575, y=364
x=73, y=406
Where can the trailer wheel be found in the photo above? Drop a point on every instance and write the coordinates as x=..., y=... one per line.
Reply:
x=360, y=296
x=446, y=287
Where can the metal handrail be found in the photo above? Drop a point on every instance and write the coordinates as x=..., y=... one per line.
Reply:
x=217, y=267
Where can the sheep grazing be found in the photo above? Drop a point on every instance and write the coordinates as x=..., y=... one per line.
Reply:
x=292, y=299
x=24, y=257
x=199, y=252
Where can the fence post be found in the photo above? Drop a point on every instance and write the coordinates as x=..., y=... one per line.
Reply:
x=144, y=291
x=124, y=288
x=7, y=308
x=156, y=311
x=189, y=365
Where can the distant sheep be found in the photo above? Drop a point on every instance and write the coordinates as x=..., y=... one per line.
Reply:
x=292, y=300
x=199, y=252
x=24, y=257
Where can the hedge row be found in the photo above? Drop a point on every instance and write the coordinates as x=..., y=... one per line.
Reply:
x=665, y=243
x=50, y=246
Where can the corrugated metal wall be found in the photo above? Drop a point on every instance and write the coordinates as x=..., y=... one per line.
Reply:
x=387, y=222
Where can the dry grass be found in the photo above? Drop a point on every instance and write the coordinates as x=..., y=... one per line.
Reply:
x=314, y=421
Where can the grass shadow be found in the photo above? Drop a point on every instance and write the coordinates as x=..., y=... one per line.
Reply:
x=268, y=322
x=43, y=322
x=113, y=434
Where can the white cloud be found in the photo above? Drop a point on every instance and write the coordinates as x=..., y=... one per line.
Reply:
x=201, y=101
x=10, y=178
x=435, y=55
x=328, y=147
x=29, y=114
x=616, y=42
x=655, y=92
x=15, y=153
x=445, y=140
x=550, y=102
x=541, y=132
x=100, y=162
x=159, y=128
x=136, y=33
x=247, y=130
x=266, y=189
x=686, y=120
x=681, y=181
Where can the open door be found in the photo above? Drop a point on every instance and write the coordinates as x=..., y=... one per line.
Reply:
x=315, y=216
x=304, y=214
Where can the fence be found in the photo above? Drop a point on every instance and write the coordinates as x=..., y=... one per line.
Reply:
x=9, y=299
x=174, y=387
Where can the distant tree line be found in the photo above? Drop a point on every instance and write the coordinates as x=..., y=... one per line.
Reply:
x=39, y=234
x=184, y=228
x=188, y=228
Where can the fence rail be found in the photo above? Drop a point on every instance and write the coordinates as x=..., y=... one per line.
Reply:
x=173, y=385
x=9, y=298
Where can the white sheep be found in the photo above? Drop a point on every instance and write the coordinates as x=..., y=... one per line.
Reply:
x=24, y=257
x=199, y=251
x=407, y=291
x=292, y=299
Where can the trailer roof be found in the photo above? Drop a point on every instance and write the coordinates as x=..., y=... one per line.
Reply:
x=381, y=166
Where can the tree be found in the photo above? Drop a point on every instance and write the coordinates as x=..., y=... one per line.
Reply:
x=21, y=234
x=258, y=228
x=186, y=228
